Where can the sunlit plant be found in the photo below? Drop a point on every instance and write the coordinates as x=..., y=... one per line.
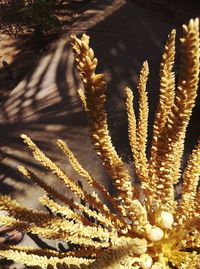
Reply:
x=145, y=226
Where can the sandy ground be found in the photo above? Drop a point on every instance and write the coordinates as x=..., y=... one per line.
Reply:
x=20, y=49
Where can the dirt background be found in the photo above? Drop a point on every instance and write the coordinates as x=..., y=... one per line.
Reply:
x=20, y=47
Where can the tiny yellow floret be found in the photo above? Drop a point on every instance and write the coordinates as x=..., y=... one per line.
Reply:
x=156, y=266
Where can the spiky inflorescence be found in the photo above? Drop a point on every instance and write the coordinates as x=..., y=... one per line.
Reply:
x=154, y=232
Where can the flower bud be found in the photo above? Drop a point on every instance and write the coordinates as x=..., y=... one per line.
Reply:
x=165, y=219
x=146, y=261
x=155, y=233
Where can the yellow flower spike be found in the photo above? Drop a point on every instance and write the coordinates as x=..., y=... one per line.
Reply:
x=142, y=128
x=190, y=183
x=94, y=100
x=83, y=99
x=169, y=148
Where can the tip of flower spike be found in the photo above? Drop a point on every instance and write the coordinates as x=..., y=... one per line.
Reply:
x=173, y=31
x=85, y=38
x=24, y=171
x=23, y=136
x=194, y=21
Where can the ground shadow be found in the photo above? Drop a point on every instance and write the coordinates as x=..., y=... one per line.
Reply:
x=26, y=32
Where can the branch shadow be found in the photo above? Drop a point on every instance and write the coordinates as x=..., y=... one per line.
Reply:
x=45, y=106
x=22, y=41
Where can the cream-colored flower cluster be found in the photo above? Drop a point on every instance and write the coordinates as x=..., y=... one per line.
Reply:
x=149, y=228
